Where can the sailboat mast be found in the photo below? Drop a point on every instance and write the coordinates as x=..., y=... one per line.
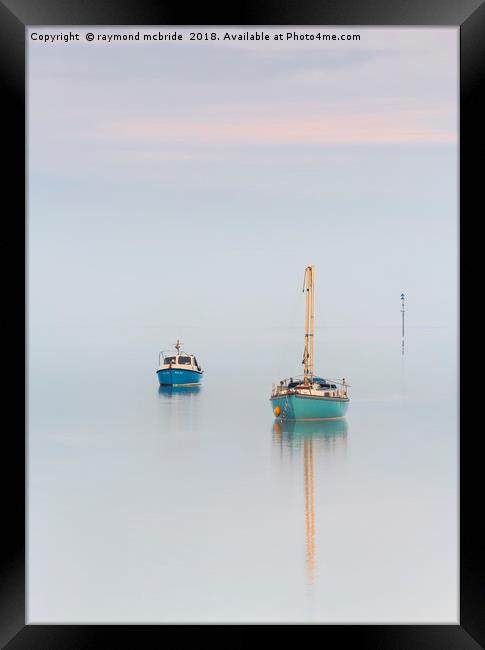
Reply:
x=312, y=318
x=309, y=324
x=306, y=353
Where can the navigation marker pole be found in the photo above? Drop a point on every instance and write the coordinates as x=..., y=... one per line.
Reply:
x=402, y=335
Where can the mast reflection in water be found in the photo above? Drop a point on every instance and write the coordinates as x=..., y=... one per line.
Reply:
x=317, y=439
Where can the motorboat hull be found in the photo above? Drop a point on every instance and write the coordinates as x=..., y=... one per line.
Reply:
x=178, y=377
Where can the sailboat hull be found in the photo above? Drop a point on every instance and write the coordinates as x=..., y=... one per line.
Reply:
x=309, y=407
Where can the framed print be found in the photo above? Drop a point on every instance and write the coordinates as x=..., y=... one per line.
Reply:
x=236, y=250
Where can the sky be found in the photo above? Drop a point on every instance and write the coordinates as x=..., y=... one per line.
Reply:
x=180, y=189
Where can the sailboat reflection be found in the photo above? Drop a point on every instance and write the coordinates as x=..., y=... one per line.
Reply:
x=179, y=392
x=325, y=435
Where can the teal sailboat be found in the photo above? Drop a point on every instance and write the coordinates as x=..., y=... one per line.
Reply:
x=309, y=397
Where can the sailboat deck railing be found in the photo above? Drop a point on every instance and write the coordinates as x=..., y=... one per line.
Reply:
x=331, y=388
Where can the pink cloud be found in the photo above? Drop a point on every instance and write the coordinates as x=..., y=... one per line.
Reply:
x=430, y=126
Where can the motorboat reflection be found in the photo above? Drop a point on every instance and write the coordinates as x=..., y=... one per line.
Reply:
x=179, y=392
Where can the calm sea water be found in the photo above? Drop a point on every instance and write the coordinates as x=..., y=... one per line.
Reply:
x=158, y=505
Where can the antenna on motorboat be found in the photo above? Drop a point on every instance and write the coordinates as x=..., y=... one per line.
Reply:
x=177, y=346
x=308, y=284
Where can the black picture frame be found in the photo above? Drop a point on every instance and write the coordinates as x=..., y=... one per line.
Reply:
x=15, y=16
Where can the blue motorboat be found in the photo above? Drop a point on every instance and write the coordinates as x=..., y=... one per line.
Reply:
x=180, y=369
